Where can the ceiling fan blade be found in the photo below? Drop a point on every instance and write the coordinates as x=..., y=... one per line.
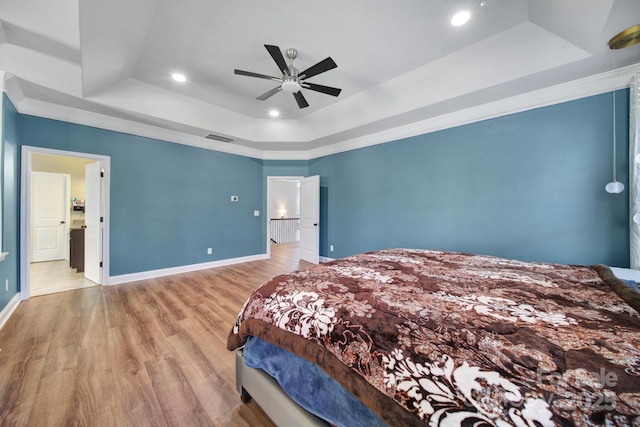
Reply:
x=320, y=88
x=322, y=66
x=260, y=76
x=276, y=54
x=302, y=103
x=270, y=93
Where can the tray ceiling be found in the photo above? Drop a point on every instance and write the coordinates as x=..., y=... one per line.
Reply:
x=399, y=62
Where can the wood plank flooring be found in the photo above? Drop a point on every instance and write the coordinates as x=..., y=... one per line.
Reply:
x=149, y=353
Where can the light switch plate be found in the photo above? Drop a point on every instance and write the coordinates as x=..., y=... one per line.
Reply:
x=256, y=213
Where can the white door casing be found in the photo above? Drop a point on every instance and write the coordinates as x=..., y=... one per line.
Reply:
x=270, y=214
x=93, y=223
x=26, y=238
x=49, y=216
x=310, y=219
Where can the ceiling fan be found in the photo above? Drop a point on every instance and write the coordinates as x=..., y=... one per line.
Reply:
x=292, y=81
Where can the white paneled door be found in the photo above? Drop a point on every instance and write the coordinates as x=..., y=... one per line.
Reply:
x=50, y=216
x=310, y=219
x=93, y=223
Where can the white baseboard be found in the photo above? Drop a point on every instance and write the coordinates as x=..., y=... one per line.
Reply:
x=6, y=313
x=325, y=259
x=152, y=274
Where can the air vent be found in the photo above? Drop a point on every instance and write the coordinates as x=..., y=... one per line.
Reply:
x=220, y=138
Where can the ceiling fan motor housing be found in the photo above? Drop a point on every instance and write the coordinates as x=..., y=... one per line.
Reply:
x=292, y=53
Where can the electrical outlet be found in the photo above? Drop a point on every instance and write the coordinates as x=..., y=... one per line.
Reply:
x=330, y=248
x=234, y=198
x=209, y=251
x=6, y=285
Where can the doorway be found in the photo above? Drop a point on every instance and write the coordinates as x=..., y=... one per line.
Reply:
x=283, y=215
x=86, y=197
x=286, y=195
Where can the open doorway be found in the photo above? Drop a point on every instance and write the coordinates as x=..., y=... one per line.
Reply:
x=283, y=215
x=65, y=197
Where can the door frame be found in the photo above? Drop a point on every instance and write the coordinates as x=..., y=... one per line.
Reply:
x=25, y=209
x=267, y=215
x=92, y=225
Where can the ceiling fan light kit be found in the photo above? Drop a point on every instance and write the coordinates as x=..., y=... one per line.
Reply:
x=291, y=80
x=290, y=85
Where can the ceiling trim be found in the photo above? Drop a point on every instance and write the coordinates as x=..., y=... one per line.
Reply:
x=581, y=88
x=565, y=92
x=48, y=110
x=9, y=85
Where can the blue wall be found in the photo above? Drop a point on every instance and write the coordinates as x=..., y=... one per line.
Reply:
x=169, y=202
x=9, y=268
x=528, y=186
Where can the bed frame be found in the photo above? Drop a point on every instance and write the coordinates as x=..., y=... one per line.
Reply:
x=255, y=384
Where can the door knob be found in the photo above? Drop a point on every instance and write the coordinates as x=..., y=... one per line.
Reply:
x=315, y=225
x=61, y=222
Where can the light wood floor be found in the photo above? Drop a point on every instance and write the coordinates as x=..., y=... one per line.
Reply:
x=55, y=276
x=150, y=353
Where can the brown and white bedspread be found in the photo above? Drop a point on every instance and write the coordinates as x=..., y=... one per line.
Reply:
x=440, y=338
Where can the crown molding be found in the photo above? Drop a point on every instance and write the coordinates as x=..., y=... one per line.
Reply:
x=10, y=86
x=73, y=115
x=589, y=86
x=2, y=78
x=286, y=155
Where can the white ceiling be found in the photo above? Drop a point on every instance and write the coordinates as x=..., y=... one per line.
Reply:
x=400, y=63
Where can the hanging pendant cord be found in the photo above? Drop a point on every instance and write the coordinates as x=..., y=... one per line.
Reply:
x=613, y=59
x=614, y=135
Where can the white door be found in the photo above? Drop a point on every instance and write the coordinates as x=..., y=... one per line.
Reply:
x=93, y=222
x=50, y=205
x=310, y=219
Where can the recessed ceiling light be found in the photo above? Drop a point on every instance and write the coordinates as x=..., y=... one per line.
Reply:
x=179, y=77
x=460, y=18
x=274, y=113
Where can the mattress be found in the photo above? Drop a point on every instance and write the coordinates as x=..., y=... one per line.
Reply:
x=441, y=338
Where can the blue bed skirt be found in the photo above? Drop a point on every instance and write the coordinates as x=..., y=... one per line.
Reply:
x=309, y=386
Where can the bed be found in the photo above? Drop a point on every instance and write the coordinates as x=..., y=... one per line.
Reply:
x=422, y=337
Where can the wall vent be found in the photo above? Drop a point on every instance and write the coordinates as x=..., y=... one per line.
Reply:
x=220, y=138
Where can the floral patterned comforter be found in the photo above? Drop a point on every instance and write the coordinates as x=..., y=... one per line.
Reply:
x=441, y=338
